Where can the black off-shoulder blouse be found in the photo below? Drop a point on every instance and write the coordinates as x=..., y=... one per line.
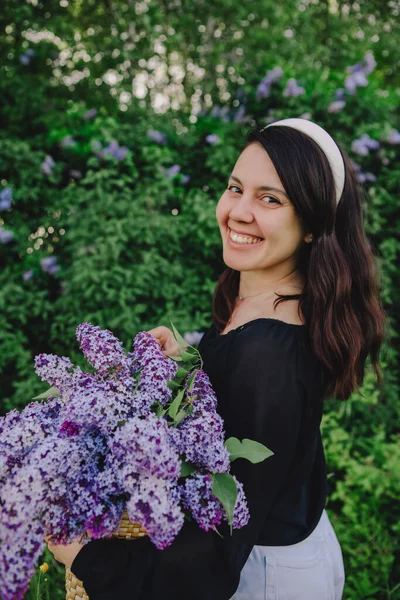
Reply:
x=269, y=387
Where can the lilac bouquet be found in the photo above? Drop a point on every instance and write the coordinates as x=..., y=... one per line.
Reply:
x=140, y=433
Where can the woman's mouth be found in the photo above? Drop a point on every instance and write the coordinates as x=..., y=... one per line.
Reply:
x=242, y=241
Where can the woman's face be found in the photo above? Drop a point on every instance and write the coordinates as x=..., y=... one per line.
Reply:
x=256, y=204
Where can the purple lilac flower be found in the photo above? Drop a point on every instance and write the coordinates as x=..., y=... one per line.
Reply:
x=240, y=115
x=5, y=198
x=264, y=87
x=358, y=72
x=49, y=265
x=89, y=114
x=157, y=136
x=194, y=337
x=360, y=175
x=213, y=138
x=55, y=370
x=27, y=275
x=174, y=170
x=221, y=112
x=200, y=439
x=142, y=447
x=67, y=142
x=293, y=89
x=113, y=149
x=75, y=174
x=185, y=179
x=5, y=235
x=364, y=144
x=197, y=497
x=47, y=165
x=206, y=509
x=352, y=82
x=394, y=137
x=340, y=94
x=153, y=504
x=336, y=106
x=155, y=371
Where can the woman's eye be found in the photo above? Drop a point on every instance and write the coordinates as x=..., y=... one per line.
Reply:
x=270, y=197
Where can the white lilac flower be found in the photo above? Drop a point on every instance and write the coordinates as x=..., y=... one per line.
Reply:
x=5, y=198
x=153, y=504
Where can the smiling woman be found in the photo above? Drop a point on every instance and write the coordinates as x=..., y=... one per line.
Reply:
x=289, y=222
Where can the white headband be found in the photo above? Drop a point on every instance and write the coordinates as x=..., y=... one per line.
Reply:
x=325, y=142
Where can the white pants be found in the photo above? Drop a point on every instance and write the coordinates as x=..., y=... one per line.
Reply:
x=310, y=570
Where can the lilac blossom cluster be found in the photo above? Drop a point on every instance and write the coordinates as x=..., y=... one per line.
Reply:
x=107, y=441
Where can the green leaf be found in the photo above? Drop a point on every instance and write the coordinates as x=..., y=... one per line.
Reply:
x=181, y=373
x=175, y=404
x=187, y=469
x=181, y=341
x=53, y=392
x=248, y=449
x=173, y=385
x=186, y=357
x=180, y=416
x=224, y=488
x=191, y=380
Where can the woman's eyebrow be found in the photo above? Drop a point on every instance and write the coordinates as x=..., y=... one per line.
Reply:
x=265, y=188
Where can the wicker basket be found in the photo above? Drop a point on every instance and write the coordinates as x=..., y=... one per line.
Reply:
x=127, y=530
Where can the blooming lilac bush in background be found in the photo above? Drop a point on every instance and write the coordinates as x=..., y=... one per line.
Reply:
x=139, y=433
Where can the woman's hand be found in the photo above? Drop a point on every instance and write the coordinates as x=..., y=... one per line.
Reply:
x=65, y=554
x=166, y=339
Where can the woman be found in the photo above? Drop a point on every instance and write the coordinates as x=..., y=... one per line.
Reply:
x=291, y=223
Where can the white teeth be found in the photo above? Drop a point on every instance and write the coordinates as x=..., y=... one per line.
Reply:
x=242, y=239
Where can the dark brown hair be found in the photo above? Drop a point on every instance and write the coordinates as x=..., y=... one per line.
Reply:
x=340, y=301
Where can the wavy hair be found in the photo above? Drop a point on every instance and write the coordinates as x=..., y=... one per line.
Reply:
x=340, y=301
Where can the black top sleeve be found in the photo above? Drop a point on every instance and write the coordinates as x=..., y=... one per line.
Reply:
x=263, y=400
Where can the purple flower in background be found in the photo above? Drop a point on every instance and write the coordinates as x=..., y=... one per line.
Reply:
x=394, y=137
x=293, y=89
x=336, y=106
x=340, y=94
x=67, y=142
x=185, y=179
x=5, y=198
x=47, y=165
x=193, y=338
x=221, y=112
x=364, y=144
x=75, y=174
x=113, y=149
x=157, y=136
x=49, y=265
x=264, y=87
x=360, y=175
x=27, y=275
x=90, y=114
x=5, y=235
x=358, y=73
x=174, y=170
x=213, y=138
x=26, y=57
x=240, y=115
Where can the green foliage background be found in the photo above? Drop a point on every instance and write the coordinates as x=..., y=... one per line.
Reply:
x=136, y=248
